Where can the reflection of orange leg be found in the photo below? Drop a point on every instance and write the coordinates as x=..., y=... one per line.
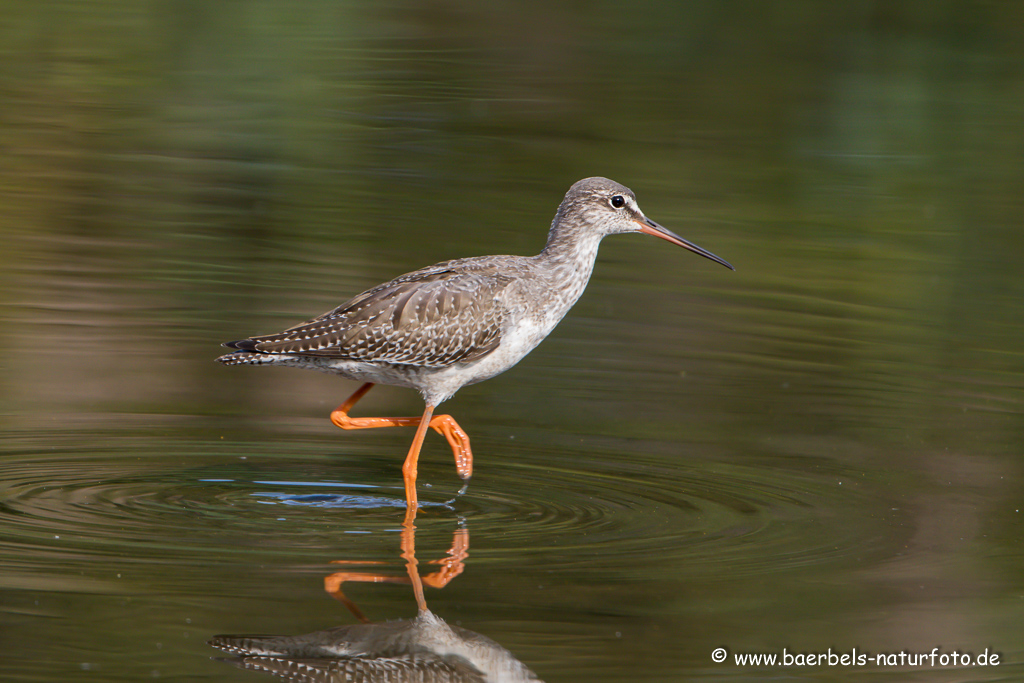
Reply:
x=332, y=584
x=411, y=564
x=451, y=567
x=444, y=425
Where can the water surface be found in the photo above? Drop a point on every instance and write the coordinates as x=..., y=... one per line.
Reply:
x=820, y=450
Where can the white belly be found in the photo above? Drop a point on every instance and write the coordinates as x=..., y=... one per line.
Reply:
x=440, y=384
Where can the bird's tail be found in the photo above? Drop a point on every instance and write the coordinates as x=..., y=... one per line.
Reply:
x=248, y=358
x=246, y=354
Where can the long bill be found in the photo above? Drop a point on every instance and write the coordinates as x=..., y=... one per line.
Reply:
x=649, y=227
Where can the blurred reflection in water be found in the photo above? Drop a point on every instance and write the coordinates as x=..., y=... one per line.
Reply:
x=423, y=649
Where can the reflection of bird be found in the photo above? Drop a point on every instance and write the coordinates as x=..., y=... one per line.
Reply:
x=458, y=322
x=424, y=649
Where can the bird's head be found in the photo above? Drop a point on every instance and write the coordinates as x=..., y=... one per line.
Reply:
x=608, y=208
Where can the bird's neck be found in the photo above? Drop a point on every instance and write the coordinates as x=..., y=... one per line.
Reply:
x=569, y=258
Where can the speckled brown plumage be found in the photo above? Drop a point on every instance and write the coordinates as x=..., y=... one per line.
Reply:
x=433, y=317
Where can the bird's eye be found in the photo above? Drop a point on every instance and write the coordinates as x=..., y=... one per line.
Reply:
x=618, y=202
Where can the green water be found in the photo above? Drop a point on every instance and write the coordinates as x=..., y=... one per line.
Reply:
x=820, y=450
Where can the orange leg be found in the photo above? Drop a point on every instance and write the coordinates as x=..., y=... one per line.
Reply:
x=444, y=425
x=409, y=469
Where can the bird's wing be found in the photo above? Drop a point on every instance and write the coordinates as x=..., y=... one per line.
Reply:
x=445, y=314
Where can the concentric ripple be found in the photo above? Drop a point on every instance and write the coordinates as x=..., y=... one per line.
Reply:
x=134, y=496
x=709, y=514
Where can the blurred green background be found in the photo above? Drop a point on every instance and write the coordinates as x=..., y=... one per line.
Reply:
x=819, y=450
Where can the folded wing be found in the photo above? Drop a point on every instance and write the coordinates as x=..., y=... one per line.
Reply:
x=432, y=318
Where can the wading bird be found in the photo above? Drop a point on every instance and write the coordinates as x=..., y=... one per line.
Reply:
x=458, y=322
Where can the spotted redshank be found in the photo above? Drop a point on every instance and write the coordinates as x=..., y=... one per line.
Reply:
x=458, y=322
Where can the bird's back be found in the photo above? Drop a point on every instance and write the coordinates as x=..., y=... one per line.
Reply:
x=451, y=312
